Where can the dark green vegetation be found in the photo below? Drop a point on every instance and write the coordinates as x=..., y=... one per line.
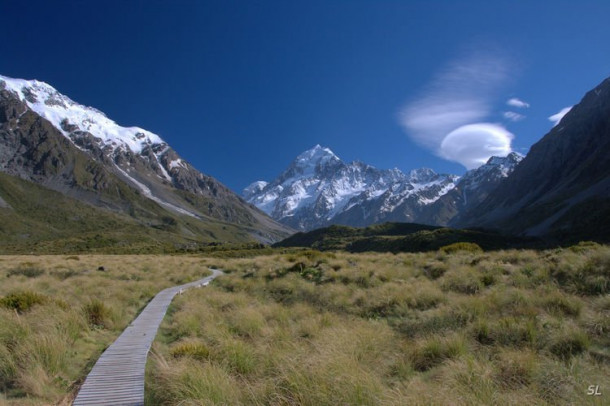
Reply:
x=399, y=237
x=455, y=326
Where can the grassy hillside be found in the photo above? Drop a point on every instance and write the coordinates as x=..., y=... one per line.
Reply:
x=42, y=220
x=397, y=237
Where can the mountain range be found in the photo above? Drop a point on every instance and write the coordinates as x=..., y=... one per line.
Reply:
x=319, y=189
x=73, y=179
x=49, y=140
x=559, y=192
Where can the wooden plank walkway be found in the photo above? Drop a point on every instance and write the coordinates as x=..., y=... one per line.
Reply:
x=118, y=376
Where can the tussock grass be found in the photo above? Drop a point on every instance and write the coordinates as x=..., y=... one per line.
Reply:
x=58, y=313
x=448, y=327
x=320, y=328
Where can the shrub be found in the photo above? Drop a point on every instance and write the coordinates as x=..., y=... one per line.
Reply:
x=22, y=301
x=461, y=246
x=312, y=274
x=192, y=349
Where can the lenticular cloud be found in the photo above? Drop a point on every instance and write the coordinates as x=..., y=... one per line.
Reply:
x=471, y=145
x=447, y=117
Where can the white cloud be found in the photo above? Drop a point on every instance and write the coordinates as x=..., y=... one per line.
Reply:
x=556, y=118
x=520, y=104
x=473, y=144
x=512, y=116
x=446, y=117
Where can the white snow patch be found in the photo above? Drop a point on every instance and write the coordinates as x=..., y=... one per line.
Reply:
x=46, y=101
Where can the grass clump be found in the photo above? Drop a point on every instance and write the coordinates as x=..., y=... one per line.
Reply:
x=98, y=314
x=463, y=280
x=434, y=351
x=191, y=349
x=569, y=344
x=22, y=301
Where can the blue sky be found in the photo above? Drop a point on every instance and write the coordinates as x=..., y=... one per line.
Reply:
x=239, y=88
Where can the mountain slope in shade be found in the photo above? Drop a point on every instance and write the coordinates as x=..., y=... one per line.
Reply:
x=319, y=189
x=562, y=187
x=47, y=138
x=472, y=188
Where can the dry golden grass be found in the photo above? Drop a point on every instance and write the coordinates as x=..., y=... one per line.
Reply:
x=62, y=311
x=310, y=328
x=462, y=328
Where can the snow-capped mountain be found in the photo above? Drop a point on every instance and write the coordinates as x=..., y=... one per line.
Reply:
x=48, y=138
x=319, y=189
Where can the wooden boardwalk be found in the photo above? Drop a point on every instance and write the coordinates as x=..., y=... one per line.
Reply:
x=118, y=376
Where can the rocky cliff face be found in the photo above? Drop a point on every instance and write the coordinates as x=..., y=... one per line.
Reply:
x=562, y=187
x=49, y=139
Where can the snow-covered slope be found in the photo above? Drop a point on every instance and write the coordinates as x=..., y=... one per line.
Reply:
x=68, y=116
x=320, y=189
x=42, y=131
x=139, y=156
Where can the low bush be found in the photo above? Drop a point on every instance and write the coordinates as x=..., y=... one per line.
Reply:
x=461, y=246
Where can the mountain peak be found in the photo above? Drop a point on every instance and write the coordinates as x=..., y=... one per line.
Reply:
x=317, y=153
x=422, y=175
x=311, y=160
x=511, y=159
x=68, y=116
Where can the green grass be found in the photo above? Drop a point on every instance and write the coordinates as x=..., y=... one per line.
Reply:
x=45, y=221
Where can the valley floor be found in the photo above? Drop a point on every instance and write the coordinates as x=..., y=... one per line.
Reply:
x=308, y=328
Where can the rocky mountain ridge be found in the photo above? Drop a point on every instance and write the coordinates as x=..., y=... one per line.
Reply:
x=319, y=189
x=562, y=187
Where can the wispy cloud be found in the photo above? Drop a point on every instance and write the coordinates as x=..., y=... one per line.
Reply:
x=556, y=118
x=512, y=116
x=518, y=103
x=447, y=117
